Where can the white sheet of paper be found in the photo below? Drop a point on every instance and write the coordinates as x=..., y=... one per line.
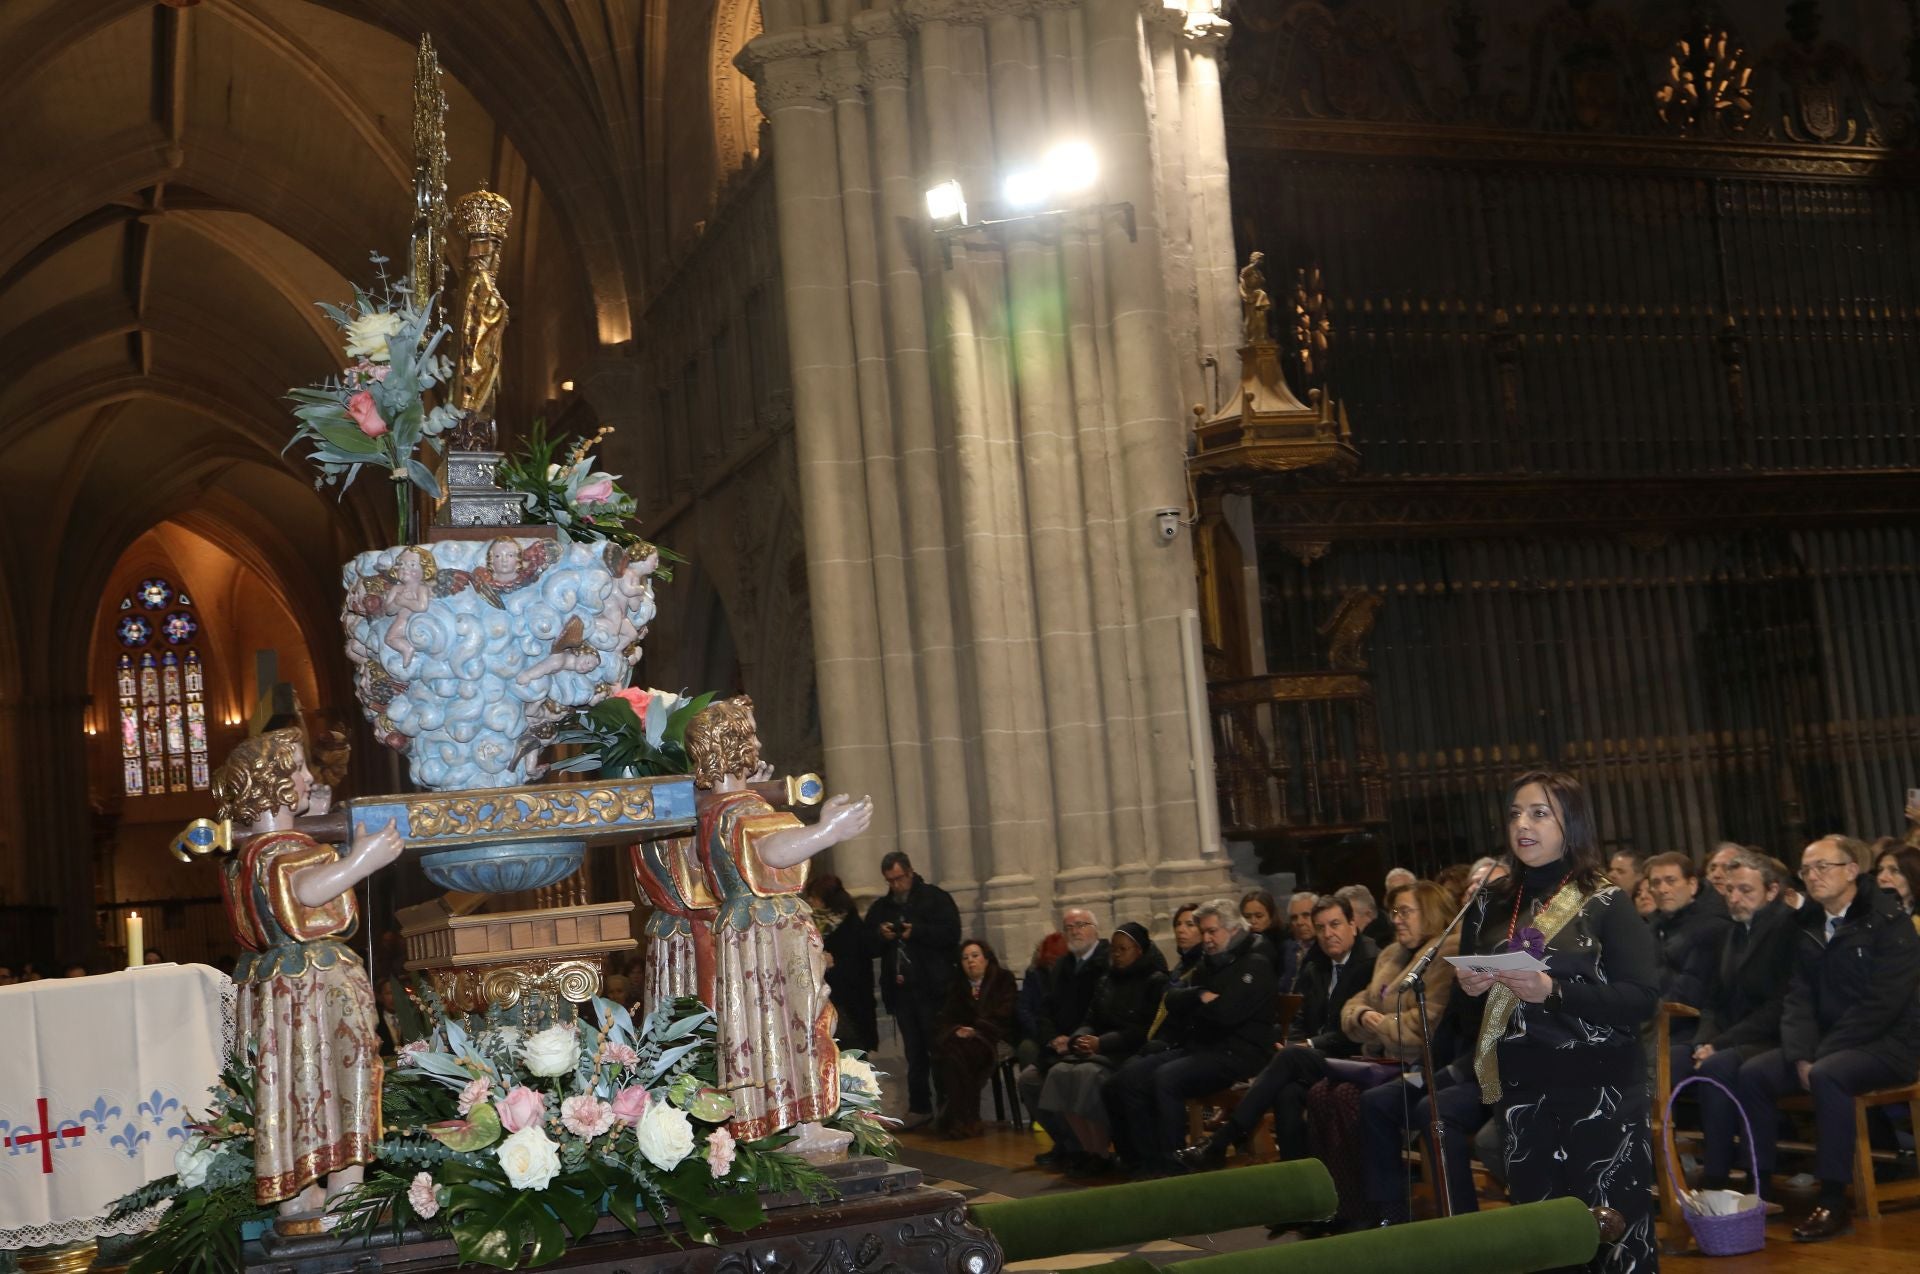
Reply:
x=1506, y=962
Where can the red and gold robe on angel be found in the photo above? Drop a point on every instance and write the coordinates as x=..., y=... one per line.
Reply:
x=307, y=1012
x=777, y=1056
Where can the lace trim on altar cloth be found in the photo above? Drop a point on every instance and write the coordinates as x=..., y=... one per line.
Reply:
x=81, y=1229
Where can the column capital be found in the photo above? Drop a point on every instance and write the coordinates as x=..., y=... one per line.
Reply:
x=788, y=82
x=841, y=75
x=889, y=62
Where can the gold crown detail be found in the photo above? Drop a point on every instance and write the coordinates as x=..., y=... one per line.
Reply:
x=482, y=214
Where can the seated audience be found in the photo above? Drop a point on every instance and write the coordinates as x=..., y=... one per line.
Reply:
x=1334, y=975
x=1297, y=943
x=1896, y=869
x=1789, y=891
x=1223, y=1019
x=1396, y=877
x=1718, y=862
x=1366, y=916
x=1848, y=1025
x=1188, y=950
x=975, y=1020
x=1123, y=1008
x=1625, y=867
x=1688, y=937
x=1741, y=1017
x=1030, y=1004
x=1069, y=992
x=1261, y=913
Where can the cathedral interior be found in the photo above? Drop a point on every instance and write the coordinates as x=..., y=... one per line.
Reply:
x=1577, y=429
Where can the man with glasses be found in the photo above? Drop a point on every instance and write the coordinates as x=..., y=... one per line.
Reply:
x=1070, y=988
x=917, y=927
x=1849, y=1023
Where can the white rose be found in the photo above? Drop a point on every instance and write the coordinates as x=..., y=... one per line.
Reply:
x=554, y=1051
x=191, y=1161
x=859, y=1076
x=529, y=1158
x=666, y=1135
x=367, y=336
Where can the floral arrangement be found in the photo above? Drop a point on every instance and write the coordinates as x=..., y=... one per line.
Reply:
x=633, y=731
x=568, y=492
x=514, y=1143
x=375, y=411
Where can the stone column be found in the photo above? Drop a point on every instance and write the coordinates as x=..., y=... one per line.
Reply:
x=49, y=733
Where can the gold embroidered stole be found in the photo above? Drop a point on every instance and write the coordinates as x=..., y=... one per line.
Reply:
x=1501, y=1001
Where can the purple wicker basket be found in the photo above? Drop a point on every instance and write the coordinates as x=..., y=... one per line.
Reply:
x=1734, y=1235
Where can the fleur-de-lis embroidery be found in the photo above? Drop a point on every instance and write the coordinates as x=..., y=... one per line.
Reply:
x=180, y=1131
x=131, y=1138
x=99, y=1113
x=157, y=1106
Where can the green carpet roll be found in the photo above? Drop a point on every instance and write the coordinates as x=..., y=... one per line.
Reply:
x=1107, y=1217
x=1516, y=1240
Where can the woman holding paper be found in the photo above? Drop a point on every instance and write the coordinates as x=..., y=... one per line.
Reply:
x=1558, y=1048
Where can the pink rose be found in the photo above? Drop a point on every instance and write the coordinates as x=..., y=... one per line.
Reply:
x=636, y=698
x=620, y=1055
x=719, y=1152
x=520, y=1108
x=473, y=1094
x=366, y=415
x=598, y=491
x=630, y=1103
x=421, y=1195
x=586, y=1117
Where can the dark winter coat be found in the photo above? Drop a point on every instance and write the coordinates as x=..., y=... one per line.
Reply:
x=1750, y=987
x=1239, y=1022
x=1324, y=992
x=1123, y=1008
x=926, y=963
x=1858, y=991
x=1070, y=987
x=1689, y=940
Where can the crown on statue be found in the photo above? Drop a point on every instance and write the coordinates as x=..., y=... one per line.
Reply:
x=482, y=215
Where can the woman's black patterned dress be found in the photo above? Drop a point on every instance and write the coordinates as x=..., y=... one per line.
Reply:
x=1572, y=1077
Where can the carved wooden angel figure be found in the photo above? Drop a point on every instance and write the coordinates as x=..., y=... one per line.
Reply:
x=305, y=1005
x=777, y=1055
x=1254, y=301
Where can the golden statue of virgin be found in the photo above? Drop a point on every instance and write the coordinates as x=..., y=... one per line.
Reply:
x=482, y=218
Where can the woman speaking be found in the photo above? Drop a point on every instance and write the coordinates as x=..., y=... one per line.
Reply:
x=1558, y=1049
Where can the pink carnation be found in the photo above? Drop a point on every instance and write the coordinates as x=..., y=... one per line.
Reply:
x=630, y=1103
x=366, y=414
x=636, y=698
x=621, y=1055
x=520, y=1108
x=598, y=491
x=720, y=1152
x=586, y=1117
x=409, y=1051
x=473, y=1094
x=421, y=1195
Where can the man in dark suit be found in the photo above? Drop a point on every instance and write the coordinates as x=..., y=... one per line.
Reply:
x=1224, y=1017
x=1334, y=974
x=917, y=929
x=1689, y=937
x=1741, y=1017
x=1070, y=987
x=1848, y=1026
x=1297, y=944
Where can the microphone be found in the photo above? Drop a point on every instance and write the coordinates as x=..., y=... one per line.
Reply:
x=1418, y=969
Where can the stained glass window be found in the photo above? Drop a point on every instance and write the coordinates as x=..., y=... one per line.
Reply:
x=162, y=690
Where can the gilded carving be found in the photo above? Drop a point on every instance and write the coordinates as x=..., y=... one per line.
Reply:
x=1708, y=86
x=521, y=810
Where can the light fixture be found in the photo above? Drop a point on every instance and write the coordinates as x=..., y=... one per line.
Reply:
x=946, y=202
x=566, y=387
x=1025, y=189
x=1071, y=167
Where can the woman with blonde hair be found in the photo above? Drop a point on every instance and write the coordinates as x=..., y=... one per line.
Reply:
x=1385, y=1018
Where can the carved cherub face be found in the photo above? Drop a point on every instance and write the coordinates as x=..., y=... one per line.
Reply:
x=408, y=568
x=503, y=560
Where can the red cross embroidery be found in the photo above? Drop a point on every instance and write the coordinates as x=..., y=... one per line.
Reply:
x=45, y=1138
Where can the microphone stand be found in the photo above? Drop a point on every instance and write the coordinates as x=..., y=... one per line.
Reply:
x=1416, y=981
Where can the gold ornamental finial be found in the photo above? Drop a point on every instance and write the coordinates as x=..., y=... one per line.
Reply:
x=482, y=215
x=428, y=263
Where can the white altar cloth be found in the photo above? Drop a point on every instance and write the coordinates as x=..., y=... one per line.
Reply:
x=98, y=1078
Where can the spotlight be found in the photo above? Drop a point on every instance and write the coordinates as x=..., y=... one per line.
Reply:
x=947, y=203
x=1072, y=166
x=1026, y=188
x=566, y=387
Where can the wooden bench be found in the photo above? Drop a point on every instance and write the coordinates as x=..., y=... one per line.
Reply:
x=1867, y=1192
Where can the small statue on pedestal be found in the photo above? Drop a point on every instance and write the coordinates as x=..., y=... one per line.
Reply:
x=305, y=1006
x=777, y=1055
x=481, y=218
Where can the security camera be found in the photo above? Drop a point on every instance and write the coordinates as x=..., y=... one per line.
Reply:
x=1168, y=522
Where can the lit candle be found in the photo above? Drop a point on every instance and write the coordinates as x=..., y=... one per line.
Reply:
x=136, y=940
